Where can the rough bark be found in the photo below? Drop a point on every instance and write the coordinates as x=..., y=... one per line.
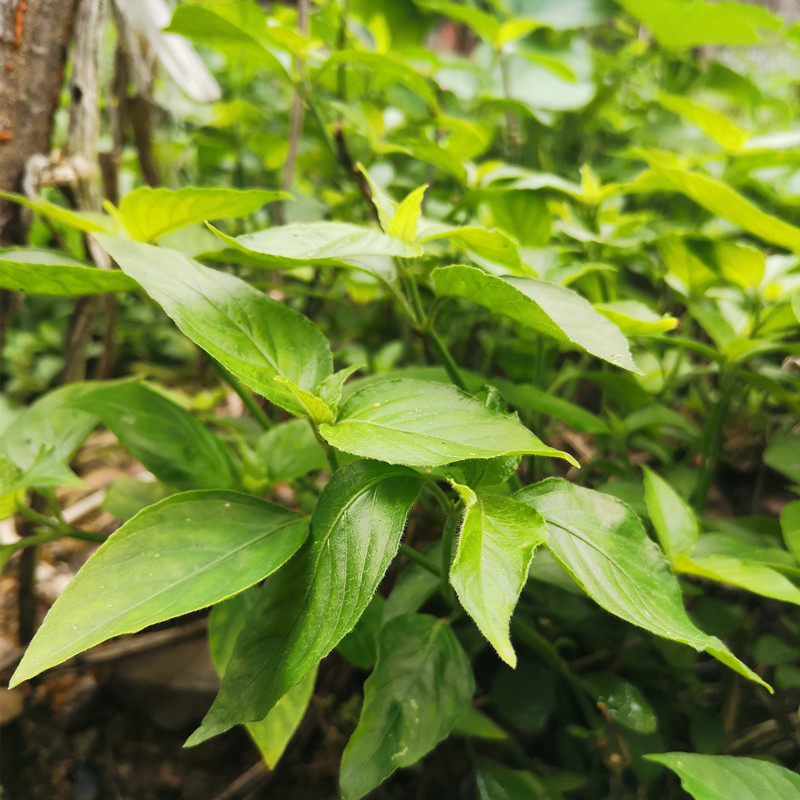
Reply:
x=33, y=44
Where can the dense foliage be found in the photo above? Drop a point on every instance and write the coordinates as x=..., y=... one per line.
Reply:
x=526, y=326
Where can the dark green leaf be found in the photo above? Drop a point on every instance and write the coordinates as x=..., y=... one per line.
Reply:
x=427, y=424
x=254, y=337
x=421, y=684
x=308, y=607
x=601, y=543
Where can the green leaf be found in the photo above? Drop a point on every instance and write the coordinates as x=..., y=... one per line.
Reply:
x=182, y=554
x=477, y=725
x=636, y=319
x=522, y=213
x=790, y=528
x=404, y=222
x=319, y=244
x=149, y=214
x=549, y=309
x=43, y=272
x=726, y=777
x=500, y=783
x=251, y=335
x=173, y=444
x=427, y=424
x=483, y=23
x=495, y=548
x=421, y=684
x=49, y=468
x=271, y=734
x=290, y=450
x=715, y=124
x=796, y=305
x=360, y=646
x=601, y=543
x=88, y=223
x=127, y=496
x=672, y=517
x=625, y=704
x=783, y=455
x=315, y=408
x=52, y=424
x=308, y=607
x=721, y=199
x=385, y=67
x=751, y=575
x=491, y=244
x=681, y=24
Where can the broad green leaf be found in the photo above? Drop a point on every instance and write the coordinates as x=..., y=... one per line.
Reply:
x=625, y=703
x=496, y=543
x=686, y=272
x=88, y=223
x=127, y=496
x=754, y=576
x=49, y=468
x=290, y=450
x=271, y=734
x=383, y=203
x=681, y=24
x=783, y=455
x=721, y=199
x=790, y=528
x=796, y=305
x=149, y=214
x=522, y=213
x=713, y=123
x=421, y=684
x=636, y=319
x=384, y=67
x=549, y=309
x=477, y=725
x=427, y=424
x=728, y=777
x=254, y=337
x=496, y=782
x=182, y=554
x=308, y=607
x=491, y=244
x=173, y=444
x=740, y=264
x=483, y=23
x=204, y=26
x=320, y=244
x=44, y=272
x=745, y=544
x=601, y=543
x=315, y=408
x=404, y=222
x=672, y=517
x=52, y=424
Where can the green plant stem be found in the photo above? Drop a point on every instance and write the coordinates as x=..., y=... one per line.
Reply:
x=447, y=360
x=56, y=529
x=249, y=401
x=712, y=436
x=439, y=494
x=330, y=452
x=534, y=641
x=426, y=563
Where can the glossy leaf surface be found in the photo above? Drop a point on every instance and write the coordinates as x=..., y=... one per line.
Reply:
x=601, y=543
x=182, y=554
x=43, y=272
x=254, y=337
x=428, y=424
x=306, y=609
x=726, y=777
x=672, y=517
x=496, y=543
x=148, y=213
x=421, y=684
x=544, y=307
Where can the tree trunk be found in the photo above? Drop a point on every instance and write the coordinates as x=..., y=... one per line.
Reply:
x=33, y=44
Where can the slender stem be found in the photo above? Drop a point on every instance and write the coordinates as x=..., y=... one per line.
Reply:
x=55, y=528
x=440, y=495
x=712, y=436
x=254, y=408
x=423, y=560
x=534, y=640
x=447, y=360
x=330, y=452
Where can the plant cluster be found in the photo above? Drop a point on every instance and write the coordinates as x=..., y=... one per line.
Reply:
x=525, y=323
